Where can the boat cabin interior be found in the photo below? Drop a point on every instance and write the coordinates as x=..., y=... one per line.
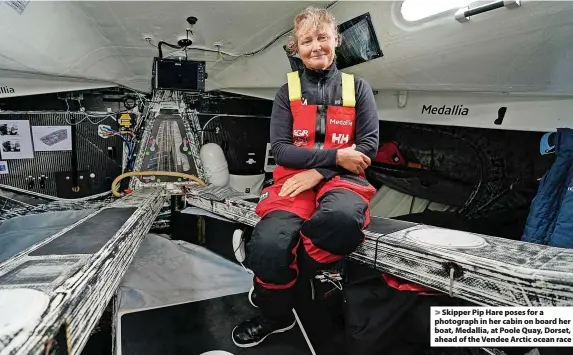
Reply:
x=136, y=145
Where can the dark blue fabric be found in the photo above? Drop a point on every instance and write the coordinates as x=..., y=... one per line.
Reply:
x=550, y=219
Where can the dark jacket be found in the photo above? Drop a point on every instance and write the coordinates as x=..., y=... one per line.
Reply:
x=322, y=87
x=550, y=219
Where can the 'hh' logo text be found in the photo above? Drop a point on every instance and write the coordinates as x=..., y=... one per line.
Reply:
x=340, y=138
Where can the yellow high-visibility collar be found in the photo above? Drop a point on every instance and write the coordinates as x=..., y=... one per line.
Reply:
x=348, y=92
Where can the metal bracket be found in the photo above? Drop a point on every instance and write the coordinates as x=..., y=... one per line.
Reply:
x=455, y=272
x=402, y=98
x=461, y=15
x=452, y=271
x=512, y=4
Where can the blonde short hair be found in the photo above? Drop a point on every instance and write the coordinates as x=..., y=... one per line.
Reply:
x=315, y=17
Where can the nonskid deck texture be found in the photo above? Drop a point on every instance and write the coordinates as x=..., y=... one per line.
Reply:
x=486, y=270
x=170, y=141
x=168, y=147
x=64, y=282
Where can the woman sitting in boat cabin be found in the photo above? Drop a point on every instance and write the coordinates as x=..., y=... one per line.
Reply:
x=324, y=133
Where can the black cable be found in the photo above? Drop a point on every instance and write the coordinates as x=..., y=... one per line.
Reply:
x=246, y=54
x=167, y=44
x=281, y=35
x=270, y=43
x=412, y=204
x=187, y=42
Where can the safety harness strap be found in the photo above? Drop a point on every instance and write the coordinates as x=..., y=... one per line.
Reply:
x=348, y=95
x=294, y=88
x=348, y=92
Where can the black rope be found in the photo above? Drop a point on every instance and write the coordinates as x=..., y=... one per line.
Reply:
x=376, y=252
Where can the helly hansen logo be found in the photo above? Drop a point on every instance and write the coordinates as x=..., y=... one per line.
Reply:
x=341, y=122
x=570, y=189
x=300, y=133
x=340, y=138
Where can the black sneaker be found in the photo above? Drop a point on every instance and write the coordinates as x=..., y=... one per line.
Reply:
x=253, y=331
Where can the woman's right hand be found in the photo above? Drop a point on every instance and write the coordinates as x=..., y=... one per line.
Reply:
x=352, y=160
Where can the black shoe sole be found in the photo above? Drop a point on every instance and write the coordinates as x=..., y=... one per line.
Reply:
x=250, y=345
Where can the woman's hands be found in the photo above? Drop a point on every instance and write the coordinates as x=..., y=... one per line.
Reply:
x=348, y=158
x=352, y=160
x=301, y=182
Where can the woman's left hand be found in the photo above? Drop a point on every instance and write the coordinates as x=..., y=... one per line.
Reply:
x=300, y=183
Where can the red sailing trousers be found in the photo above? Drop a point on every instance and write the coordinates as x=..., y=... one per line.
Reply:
x=327, y=222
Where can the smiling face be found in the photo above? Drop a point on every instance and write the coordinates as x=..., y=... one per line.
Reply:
x=316, y=45
x=315, y=38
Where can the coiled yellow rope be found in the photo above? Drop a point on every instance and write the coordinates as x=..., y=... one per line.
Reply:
x=156, y=173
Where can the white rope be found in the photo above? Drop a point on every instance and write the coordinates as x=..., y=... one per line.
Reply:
x=304, y=332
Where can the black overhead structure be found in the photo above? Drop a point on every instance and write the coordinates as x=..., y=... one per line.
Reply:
x=464, y=13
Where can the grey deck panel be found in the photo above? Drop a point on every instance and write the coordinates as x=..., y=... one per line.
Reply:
x=20, y=233
x=90, y=236
x=78, y=280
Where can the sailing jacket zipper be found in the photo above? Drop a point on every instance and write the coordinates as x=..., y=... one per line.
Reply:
x=320, y=117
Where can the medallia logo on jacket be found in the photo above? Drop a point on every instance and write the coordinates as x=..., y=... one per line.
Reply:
x=340, y=122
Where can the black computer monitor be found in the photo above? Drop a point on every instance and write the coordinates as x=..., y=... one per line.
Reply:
x=177, y=74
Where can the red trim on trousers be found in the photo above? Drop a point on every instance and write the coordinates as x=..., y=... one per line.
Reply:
x=408, y=286
x=317, y=254
x=293, y=266
x=365, y=192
